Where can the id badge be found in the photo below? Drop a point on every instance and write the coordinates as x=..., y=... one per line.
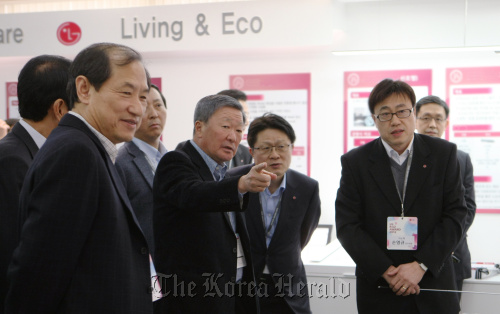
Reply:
x=402, y=233
x=240, y=255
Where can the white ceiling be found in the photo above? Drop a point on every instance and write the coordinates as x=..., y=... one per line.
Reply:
x=25, y=6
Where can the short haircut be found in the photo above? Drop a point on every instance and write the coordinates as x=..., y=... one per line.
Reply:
x=208, y=105
x=161, y=95
x=12, y=121
x=235, y=93
x=269, y=121
x=389, y=87
x=41, y=82
x=95, y=63
x=431, y=99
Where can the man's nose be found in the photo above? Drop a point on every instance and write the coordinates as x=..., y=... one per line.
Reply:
x=274, y=153
x=395, y=120
x=137, y=108
x=151, y=112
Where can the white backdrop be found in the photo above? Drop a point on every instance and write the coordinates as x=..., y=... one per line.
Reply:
x=196, y=71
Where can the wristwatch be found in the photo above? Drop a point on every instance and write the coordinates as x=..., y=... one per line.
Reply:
x=422, y=265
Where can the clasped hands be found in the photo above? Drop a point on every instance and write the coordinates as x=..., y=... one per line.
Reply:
x=404, y=279
x=256, y=180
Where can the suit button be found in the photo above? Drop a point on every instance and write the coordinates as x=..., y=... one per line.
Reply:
x=144, y=250
x=234, y=250
x=233, y=279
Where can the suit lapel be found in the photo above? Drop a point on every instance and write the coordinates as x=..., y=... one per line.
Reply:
x=380, y=170
x=141, y=163
x=75, y=122
x=255, y=211
x=421, y=166
x=203, y=171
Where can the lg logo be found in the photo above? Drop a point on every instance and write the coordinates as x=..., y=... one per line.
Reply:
x=69, y=33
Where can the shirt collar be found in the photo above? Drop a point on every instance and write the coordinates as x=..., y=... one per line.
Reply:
x=108, y=145
x=38, y=138
x=212, y=164
x=280, y=190
x=151, y=152
x=394, y=154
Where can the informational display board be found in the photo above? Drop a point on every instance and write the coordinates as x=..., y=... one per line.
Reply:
x=473, y=95
x=287, y=95
x=11, y=100
x=359, y=127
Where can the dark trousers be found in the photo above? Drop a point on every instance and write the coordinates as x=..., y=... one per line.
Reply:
x=271, y=303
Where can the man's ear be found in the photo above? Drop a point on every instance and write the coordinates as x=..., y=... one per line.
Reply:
x=82, y=89
x=59, y=109
x=251, y=151
x=198, y=126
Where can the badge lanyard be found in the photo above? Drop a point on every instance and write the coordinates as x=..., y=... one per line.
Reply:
x=275, y=215
x=407, y=172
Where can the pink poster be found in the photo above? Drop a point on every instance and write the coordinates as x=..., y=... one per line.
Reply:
x=359, y=127
x=11, y=100
x=473, y=95
x=287, y=95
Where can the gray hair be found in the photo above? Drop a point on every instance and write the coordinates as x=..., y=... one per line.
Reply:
x=208, y=105
x=431, y=99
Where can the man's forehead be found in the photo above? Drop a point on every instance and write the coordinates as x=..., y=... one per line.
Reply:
x=430, y=108
x=397, y=106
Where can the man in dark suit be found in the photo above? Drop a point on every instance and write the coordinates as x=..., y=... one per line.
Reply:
x=42, y=103
x=432, y=119
x=202, y=248
x=290, y=208
x=242, y=156
x=137, y=161
x=400, y=211
x=81, y=247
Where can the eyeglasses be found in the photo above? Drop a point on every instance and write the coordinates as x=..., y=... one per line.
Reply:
x=265, y=150
x=387, y=116
x=429, y=119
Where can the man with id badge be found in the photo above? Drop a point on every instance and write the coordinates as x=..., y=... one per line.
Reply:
x=400, y=211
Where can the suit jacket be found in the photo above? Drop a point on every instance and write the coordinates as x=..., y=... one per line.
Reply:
x=463, y=267
x=137, y=176
x=298, y=218
x=194, y=240
x=17, y=150
x=242, y=157
x=81, y=247
x=434, y=194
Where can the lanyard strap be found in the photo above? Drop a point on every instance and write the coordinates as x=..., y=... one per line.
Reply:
x=402, y=199
x=275, y=215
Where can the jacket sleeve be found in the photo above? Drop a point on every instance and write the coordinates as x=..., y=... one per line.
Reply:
x=349, y=213
x=178, y=181
x=311, y=217
x=448, y=231
x=58, y=204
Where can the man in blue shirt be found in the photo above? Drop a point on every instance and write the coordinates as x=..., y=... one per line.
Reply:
x=280, y=219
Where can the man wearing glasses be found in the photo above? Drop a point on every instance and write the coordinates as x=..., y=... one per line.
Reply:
x=432, y=119
x=281, y=219
x=400, y=211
